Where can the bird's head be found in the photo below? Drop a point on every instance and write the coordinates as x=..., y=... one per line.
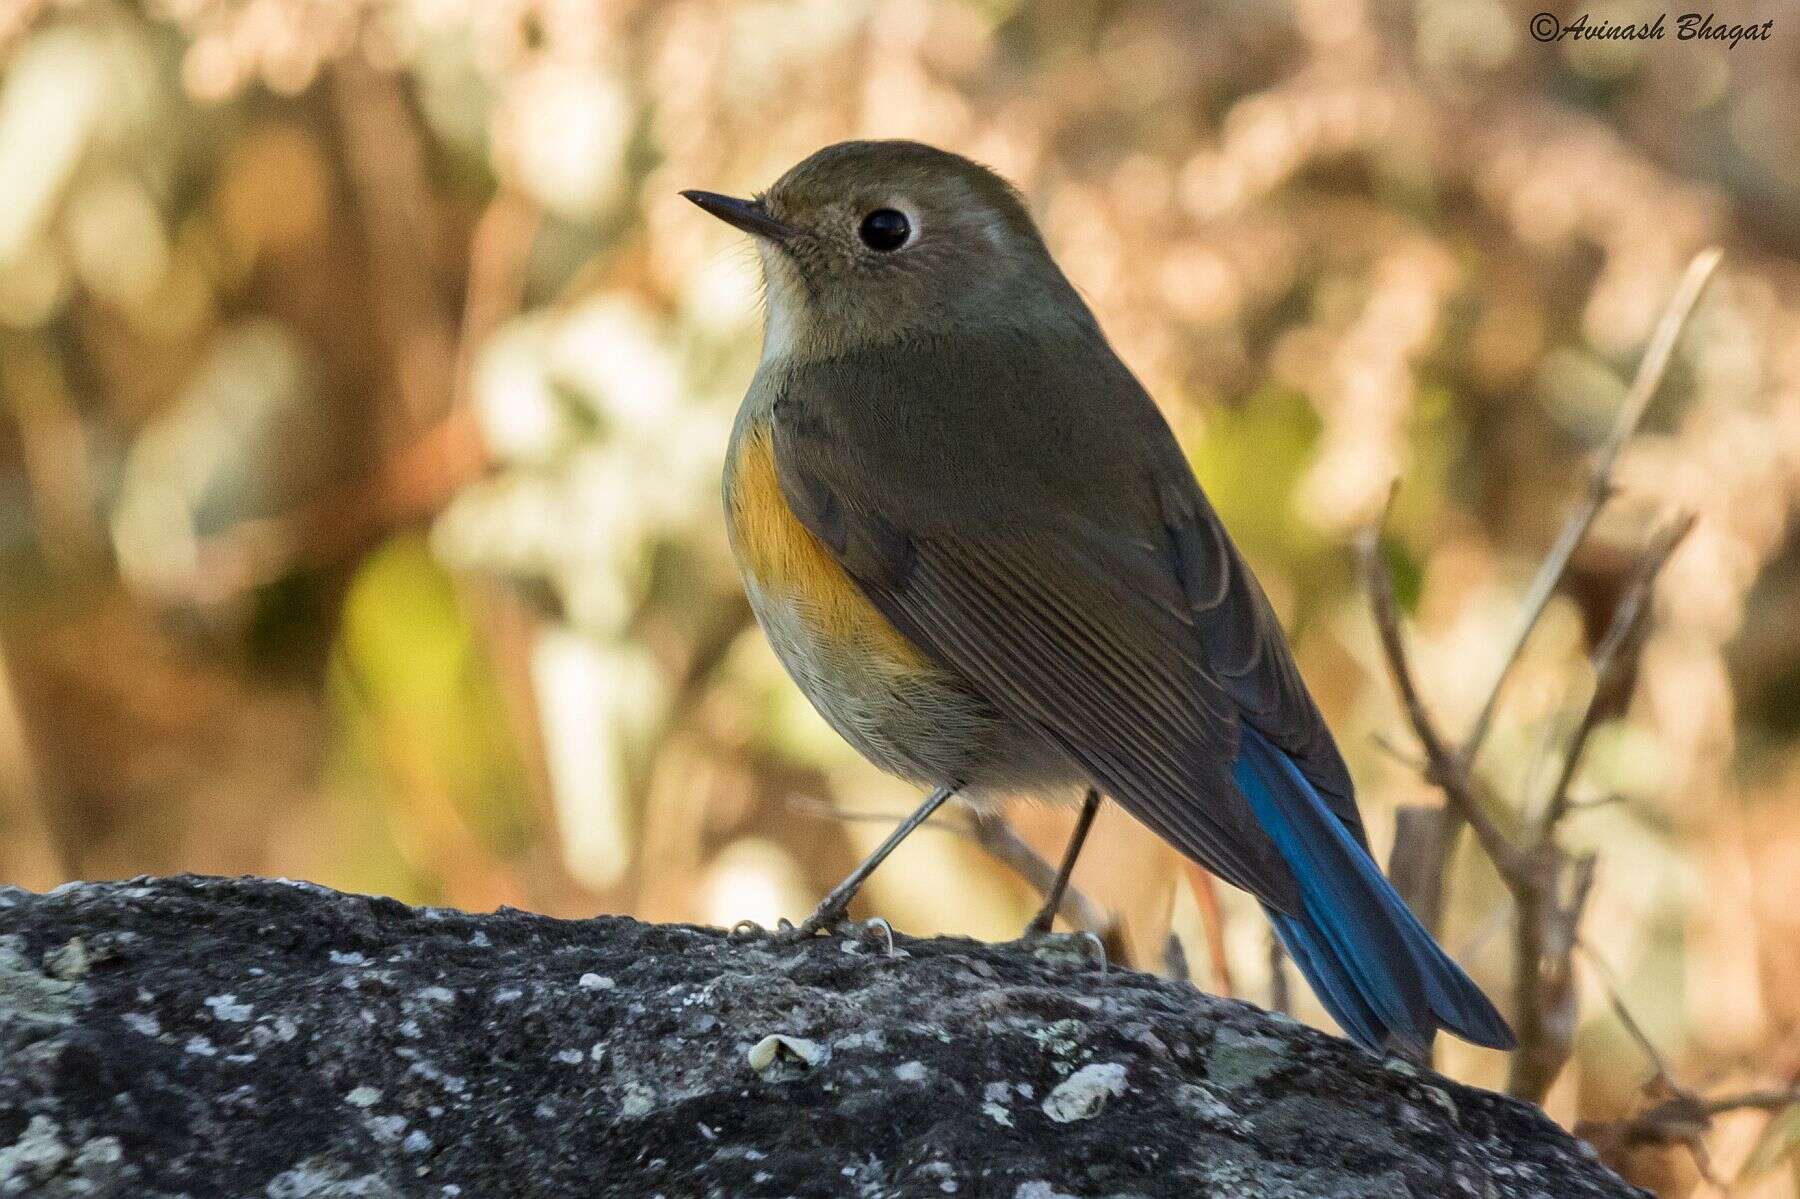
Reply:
x=872, y=242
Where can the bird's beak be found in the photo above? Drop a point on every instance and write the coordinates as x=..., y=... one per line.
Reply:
x=748, y=215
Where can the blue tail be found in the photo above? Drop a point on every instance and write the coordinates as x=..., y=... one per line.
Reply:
x=1369, y=960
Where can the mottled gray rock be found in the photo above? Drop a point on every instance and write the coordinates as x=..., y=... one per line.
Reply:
x=211, y=1037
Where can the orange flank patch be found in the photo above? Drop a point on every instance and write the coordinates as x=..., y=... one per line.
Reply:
x=788, y=561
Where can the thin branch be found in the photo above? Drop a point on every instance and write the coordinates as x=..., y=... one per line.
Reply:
x=1631, y=413
x=1615, y=998
x=1772, y=1100
x=1627, y=619
x=1393, y=643
x=996, y=834
x=1597, y=802
x=993, y=833
x=1544, y=993
x=1399, y=753
x=1550, y=889
x=1444, y=766
x=1682, y=1119
x=1547, y=931
x=824, y=809
x=1212, y=921
x=1550, y=886
x=1281, y=997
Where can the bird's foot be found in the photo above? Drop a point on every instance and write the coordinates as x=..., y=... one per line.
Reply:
x=1083, y=947
x=831, y=918
x=832, y=922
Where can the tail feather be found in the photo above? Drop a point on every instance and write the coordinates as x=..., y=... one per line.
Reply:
x=1369, y=960
x=1330, y=978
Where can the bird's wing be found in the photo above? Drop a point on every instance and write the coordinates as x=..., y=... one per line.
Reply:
x=1244, y=645
x=1116, y=621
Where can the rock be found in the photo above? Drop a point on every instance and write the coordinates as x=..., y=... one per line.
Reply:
x=246, y=1037
x=1083, y=1094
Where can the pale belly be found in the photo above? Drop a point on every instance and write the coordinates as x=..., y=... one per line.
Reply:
x=899, y=710
x=904, y=717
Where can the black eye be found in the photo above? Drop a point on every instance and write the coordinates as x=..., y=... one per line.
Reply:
x=885, y=230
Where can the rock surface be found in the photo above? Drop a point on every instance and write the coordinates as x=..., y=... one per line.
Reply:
x=213, y=1037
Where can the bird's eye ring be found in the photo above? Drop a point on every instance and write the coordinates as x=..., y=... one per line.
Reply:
x=885, y=230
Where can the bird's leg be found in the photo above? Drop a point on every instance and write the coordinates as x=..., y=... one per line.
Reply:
x=1040, y=923
x=832, y=909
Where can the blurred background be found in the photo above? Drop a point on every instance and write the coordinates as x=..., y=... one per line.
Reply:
x=366, y=384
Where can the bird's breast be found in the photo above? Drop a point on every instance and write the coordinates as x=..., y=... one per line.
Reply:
x=784, y=561
x=904, y=713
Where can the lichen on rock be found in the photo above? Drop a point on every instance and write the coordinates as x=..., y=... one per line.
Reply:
x=213, y=1037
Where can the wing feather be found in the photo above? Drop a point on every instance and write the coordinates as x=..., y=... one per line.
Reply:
x=1035, y=529
x=1141, y=723
x=1248, y=653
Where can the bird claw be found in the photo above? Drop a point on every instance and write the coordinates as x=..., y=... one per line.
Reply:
x=1095, y=946
x=826, y=920
x=878, y=925
x=1044, y=943
x=835, y=924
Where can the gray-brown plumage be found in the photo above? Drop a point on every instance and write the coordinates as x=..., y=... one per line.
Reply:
x=1005, y=577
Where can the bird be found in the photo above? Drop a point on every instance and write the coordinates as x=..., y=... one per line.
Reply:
x=972, y=540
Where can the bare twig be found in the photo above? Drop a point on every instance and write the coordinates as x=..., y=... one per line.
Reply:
x=1399, y=753
x=1686, y=1114
x=1212, y=920
x=40, y=850
x=1443, y=765
x=1683, y=1117
x=1549, y=912
x=825, y=809
x=1771, y=1100
x=1600, y=487
x=995, y=833
x=1281, y=998
x=1627, y=619
x=1549, y=886
x=1616, y=1000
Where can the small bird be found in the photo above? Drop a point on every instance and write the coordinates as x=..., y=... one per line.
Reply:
x=973, y=542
